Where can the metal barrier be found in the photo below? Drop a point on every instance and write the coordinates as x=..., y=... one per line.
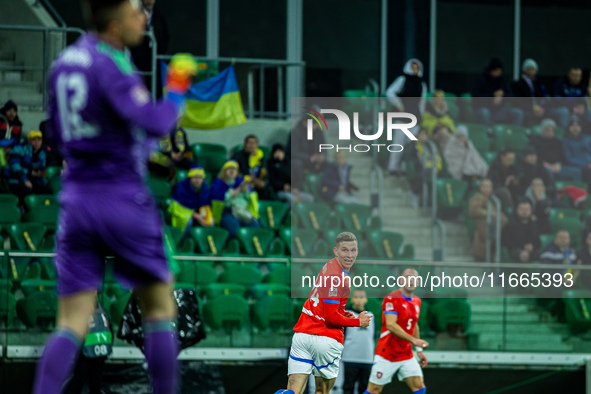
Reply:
x=437, y=225
x=45, y=55
x=493, y=231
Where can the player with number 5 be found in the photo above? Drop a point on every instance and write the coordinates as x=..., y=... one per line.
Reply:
x=400, y=332
x=105, y=122
x=319, y=333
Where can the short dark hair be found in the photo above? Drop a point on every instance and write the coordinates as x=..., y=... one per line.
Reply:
x=504, y=151
x=523, y=200
x=345, y=237
x=249, y=137
x=99, y=13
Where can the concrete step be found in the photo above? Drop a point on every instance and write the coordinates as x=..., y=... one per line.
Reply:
x=517, y=328
x=492, y=308
x=33, y=85
x=515, y=338
x=499, y=301
x=525, y=347
x=484, y=318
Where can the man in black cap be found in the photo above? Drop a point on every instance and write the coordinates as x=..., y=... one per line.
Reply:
x=530, y=168
x=492, y=84
x=10, y=124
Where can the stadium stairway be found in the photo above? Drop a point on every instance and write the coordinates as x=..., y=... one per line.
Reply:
x=13, y=84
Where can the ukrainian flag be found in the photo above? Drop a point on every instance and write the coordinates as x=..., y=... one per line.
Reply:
x=214, y=103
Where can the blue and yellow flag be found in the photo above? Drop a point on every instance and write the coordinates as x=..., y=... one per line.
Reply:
x=214, y=103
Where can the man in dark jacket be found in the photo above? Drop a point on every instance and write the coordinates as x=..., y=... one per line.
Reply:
x=504, y=176
x=305, y=154
x=251, y=164
x=530, y=93
x=572, y=91
x=559, y=251
x=530, y=168
x=491, y=84
x=288, y=188
x=551, y=153
x=336, y=181
x=142, y=54
x=10, y=124
x=520, y=236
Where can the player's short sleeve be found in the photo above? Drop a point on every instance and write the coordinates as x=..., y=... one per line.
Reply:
x=390, y=306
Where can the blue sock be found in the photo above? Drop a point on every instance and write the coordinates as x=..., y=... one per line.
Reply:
x=420, y=391
x=284, y=392
x=366, y=392
x=161, y=348
x=57, y=362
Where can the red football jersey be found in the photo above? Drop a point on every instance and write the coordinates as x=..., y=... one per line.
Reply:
x=313, y=318
x=389, y=345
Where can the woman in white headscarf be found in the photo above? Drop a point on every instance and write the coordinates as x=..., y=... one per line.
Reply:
x=407, y=93
x=461, y=156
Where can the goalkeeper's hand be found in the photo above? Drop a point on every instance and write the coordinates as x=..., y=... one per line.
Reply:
x=181, y=70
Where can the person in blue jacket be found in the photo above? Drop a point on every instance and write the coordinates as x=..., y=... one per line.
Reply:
x=192, y=201
x=577, y=148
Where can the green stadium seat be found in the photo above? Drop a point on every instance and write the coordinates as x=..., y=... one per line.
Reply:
x=452, y=316
x=7, y=307
x=8, y=200
x=37, y=309
x=228, y=312
x=53, y=171
x=577, y=305
x=29, y=286
x=374, y=305
x=562, y=213
x=180, y=244
x=453, y=109
x=314, y=215
x=259, y=242
x=214, y=290
x=160, y=188
x=273, y=311
x=9, y=214
x=196, y=273
x=545, y=240
x=313, y=185
x=574, y=227
x=55, y=184
x=42, y=209
x=478, y=134
x=180, y=176
x=243, y=274
x=27, y=236
x=450, y=196
x=512, y=136
x=298, y=304
x=387, y=245
x=209, y=240
x=37, y=201
x=304, y=243
x=330, y=236
x=563, y=184
x=357, y=217
x=260, y=290
x=279, y=275
x=117, y=309
x=489, y=157
x=271, y=213
x=211, y=156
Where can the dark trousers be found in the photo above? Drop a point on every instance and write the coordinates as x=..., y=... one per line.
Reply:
x=88, y=371
x=21, y=191
x=356, y=373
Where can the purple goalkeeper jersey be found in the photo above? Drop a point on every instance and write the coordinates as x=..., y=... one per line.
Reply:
x=102, y=115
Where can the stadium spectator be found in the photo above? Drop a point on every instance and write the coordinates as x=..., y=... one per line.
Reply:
x=529, y=168
x=550, y=151
x=305, y=154
x=530, y=93
x=494, y=109
x=10, y=124
x=238, y=200
x=358, y=351
x=572, y=92
x=26, y=165
x=191, y=201
x=520, y=236
x=52, y=153
x=437, y=113
x=541, y=204
x=559, y=251
x=477, y=210
x=173, y=153
x=462, y=158
x=336, y=181
x=280, y=177
x=583, y=277
x=504, y=176
x=440, y=136
x=142, y=54
x=577, y=148
x=251, y=164
x=418, y=153
x=408, y=93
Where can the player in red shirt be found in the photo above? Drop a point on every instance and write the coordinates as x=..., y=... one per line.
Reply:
x=400, y=332
x=319, y=333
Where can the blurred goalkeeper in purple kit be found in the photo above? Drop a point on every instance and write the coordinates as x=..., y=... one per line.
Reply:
x=104, y=121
